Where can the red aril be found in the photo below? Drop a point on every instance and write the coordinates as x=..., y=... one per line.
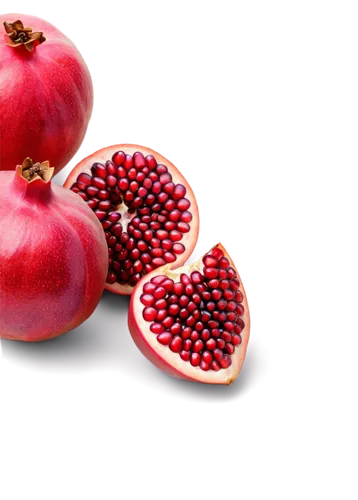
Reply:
x=53, y=256
x=46, y=94
x=147, y=209
x=207, y=344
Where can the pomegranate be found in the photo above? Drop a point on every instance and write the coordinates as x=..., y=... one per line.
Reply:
x=193, y=322
x=46, y=93
x=147, y=209
x=53, y=256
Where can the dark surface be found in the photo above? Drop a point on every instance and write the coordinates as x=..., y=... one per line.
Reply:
x=104, y=343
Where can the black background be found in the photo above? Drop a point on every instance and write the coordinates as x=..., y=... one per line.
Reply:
x=195, y=92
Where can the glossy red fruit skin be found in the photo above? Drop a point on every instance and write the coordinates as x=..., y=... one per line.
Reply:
x=160, y=358
x=101, y=156
x=53, y=259
x=46, y=97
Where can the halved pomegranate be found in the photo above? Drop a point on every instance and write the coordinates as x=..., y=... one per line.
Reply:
x=193, y=322
x=146, y=207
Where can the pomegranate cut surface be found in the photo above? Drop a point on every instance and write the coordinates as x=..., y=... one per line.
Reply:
x=193, y=322
x=146, y=207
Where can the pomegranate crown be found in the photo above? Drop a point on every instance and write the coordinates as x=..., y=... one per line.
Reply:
x=22, y=35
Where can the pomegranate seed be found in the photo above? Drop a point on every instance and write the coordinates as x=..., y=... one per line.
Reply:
x=169, y=257
x=167, y=244
x=217, y=253
x=224, y=284
x=168, y=322
x=194, y=336
x=121, y=172
x=158, y=280
x=214, y=284
x=225, y=361
x=199, y=327
x=196, y=298
x=226, y=336
x=205, y=316
x=111, y=278
x=178, y=248
x=149, y=287
x=222, y=274
x=102, y=195
x=175, y=235
x=99, y=183
x=83, y=195
x=149, y=314
x=156, y=328
x=215, y=366
x=174, y=309
x=184, y=313
x=187, y=344
x=178, y=288
x=229, y=294
x=150, y=162
x=189, y=289
x=220, y=343
x=162, y=314
x=236, y=339
x=210, y=272
x=207, y=357
x=175, y=215
x=210, y=306
x=183, y=204
x=179, y=192
x=158, y=261
x=187, y=331
x=93, y=191
x=170, y=205
x=184, y=279
x=175, y=329
x=196, y=277
x=137, y=266
x=160, y=292
x=165, y=338
x=160, y=304
x=230, y=349
x=210, y=261
x=99, y=170
x=191, y=321
x=191, y=307
x=211, y=344
x=100, y=214
x=176, y=344
x=139, y=160
x=185, y=355
x=218, y=354
x=198, y=346
x=165, y=178
x=205, y=334
x=186, y=217
x=118, y=158
x=216, y=295
x=195, y=359
x=240, y=309
x=204, y=366
x=92, y=204
x=168, y=284
x=223, y=262
x=183, y=227
x=147, y=300
x=221, y=305
x=162, y=234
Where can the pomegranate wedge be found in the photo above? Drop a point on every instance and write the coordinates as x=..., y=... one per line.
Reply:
x=193, y=322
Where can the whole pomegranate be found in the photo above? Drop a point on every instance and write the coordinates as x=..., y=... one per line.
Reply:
x=46, y=93
x=147, y=209
x=53, y=256
x=193, y=322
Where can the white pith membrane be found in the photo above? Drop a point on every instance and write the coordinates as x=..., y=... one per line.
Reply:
x=114, y=279
x=185, y=368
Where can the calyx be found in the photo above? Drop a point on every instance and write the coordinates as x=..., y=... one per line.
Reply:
x=22, y=35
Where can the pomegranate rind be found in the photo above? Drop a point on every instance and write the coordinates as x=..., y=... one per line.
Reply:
x=101, y=156
x=161, y=356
